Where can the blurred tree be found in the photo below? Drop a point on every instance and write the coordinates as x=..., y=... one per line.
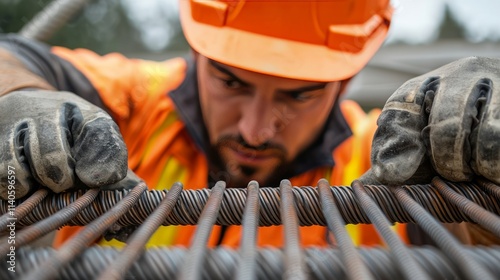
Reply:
x=450, y=28
x=103, y=26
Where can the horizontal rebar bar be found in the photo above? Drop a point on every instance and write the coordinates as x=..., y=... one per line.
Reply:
x=220, y=263
x=191, y=202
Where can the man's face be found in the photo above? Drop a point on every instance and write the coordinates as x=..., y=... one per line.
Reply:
x=257, y=124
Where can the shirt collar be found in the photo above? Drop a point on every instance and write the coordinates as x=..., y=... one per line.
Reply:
x=318, y=154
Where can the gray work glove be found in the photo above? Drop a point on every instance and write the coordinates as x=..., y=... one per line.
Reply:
x=446, y=122
x=58, y=140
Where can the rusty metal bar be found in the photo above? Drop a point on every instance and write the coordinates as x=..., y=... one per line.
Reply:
x=188, y=209
x=409, y=267
x=248, y=251
x=53, y=222
x=481, y=216
x=294, y=264
x=450, y=246
x=138, y=240
x=23, y=209
x=355, y=268
x=197, y=252
x=76, y=245
x=490, y=188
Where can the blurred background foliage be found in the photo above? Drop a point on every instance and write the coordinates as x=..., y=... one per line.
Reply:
x=103, y=26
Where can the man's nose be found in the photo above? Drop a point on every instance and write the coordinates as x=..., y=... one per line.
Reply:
x=258, y=123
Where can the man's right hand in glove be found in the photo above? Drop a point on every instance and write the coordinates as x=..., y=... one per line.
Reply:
x=58, y=140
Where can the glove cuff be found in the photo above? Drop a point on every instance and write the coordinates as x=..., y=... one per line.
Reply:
x=14, y=75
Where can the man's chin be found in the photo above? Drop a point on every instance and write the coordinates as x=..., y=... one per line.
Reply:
x=269, y=179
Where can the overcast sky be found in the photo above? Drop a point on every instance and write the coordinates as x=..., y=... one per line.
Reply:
x=414, y=21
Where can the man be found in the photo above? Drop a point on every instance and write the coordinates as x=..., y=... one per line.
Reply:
x=259, y=101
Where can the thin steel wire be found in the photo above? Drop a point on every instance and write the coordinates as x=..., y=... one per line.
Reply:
x=53, y=222
x=450, y=246
x=355, y=268
x=138, y=240
x=248, y=251
x=294, y=263
x=198, y=248
x=76, y=245
x=191, y=203
x=221, y=263
x=401, y=255
x=23, y=209
x=481, y=216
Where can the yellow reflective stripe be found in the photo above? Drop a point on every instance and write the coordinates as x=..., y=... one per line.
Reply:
x=114, y=243
x=173, y=172
x=152, y=141
x=355, y=233
x=155, y=75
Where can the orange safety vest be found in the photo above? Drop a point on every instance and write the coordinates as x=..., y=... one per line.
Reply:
x=162, y=152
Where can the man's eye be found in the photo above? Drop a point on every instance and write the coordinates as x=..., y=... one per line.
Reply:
x=300, y=96
x=232, y=84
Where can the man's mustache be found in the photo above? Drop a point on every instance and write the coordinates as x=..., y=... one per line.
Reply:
x=237, y=140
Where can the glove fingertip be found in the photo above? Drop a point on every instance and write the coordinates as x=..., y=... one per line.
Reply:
x=130, y=181
x=97, y=175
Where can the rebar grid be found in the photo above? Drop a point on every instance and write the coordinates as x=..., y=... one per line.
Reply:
x=292, y=206
x=221, y=263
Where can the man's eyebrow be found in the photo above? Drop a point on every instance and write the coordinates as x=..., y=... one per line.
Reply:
x=226, y=71
x=304, y=89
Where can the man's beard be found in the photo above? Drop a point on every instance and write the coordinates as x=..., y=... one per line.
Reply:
x=222, y=170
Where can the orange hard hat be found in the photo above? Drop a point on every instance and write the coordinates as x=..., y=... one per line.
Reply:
x=316, y=40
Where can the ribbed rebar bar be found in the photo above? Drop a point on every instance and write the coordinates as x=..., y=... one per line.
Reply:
x=198, y=248
x=450, y=246
x=220, y=263
x=22, y=210
x=138, y=240
x=401, y=255
x=480, y=215
x=294, y=263
x=355, y=268
x=51, y=19
x=248, y=250
x=489, y=188
x=77, y=244
x=191, y=203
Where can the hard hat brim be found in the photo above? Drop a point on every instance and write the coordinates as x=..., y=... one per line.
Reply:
x=275, y=56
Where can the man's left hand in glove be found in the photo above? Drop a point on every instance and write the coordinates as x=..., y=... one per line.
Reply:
x=447, y=123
